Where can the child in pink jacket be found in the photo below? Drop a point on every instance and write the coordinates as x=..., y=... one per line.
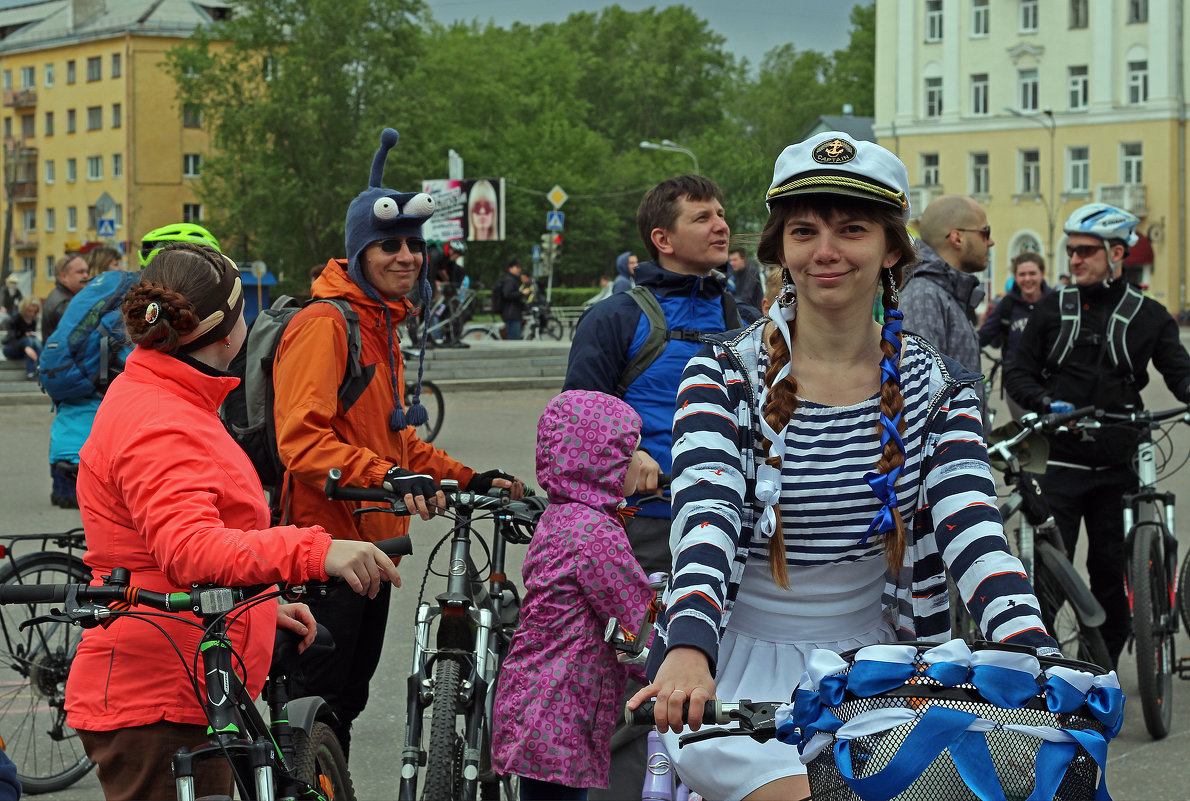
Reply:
x=560, y=687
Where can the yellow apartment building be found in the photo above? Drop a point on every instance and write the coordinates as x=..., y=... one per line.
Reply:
x=1036, y=108
x=96, y=146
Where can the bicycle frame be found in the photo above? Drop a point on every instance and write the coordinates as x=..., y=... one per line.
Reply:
x=1149, y=507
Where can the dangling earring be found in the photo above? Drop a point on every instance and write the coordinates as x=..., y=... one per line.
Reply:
x=788, y=296
x=894, y=295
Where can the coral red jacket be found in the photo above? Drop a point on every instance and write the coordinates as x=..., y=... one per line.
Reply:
x=315, y=432
x=165, y=492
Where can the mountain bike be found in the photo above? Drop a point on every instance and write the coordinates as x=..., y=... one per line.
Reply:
x=34, y=664
x=1070, y=612
x=1151, y=554
x=460, y=641
x=431, y=398
x=294, y=755
x=540, y=324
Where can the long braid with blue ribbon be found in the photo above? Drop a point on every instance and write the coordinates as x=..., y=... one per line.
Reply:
x=883, y=482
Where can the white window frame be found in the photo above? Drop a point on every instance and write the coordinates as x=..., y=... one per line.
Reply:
x=48, y=76
x=117, y=67
x=1138, y=82
x=49, y=171
x=94, y=68
x=1078, y=169
x=94, y=168
x=72, y=218
x=1078, y=87
x=72, y=170
x=929, y=170
x=1028, y=89
x=979, y=173
x=117, y=115
x=979, y=94
x=28, y=78
x=50, y=220
x=192, y=212
x=1029, y=172
x=933, y=98
x=933, y=27
x=1138, y=11
x=1027, y=16
x=191, y=165
x=29, y=221
x=980, y=18
x=117, y=165
x=1132, y=159
x=94, y=118
x=1080, y=15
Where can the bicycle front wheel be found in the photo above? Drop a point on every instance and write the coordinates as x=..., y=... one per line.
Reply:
x=1154, y=637
x=551, y=329
x=431, y=399
x=1184, y=592
x=444, y=760
x=33, y=668
x=1074, y=637
x=319, y=762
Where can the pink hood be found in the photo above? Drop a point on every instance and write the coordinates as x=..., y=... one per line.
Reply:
x=584, y=443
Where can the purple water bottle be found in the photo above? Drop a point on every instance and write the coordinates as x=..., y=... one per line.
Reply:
x=659, y=784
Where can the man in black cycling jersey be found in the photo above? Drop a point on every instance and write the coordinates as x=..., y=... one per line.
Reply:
x=1090, y=345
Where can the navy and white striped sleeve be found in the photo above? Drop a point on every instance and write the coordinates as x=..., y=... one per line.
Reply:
x=708, y=495
x=970, y=532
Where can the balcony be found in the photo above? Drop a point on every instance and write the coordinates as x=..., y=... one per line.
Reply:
x=24, y=191
x=24, y=242
x=920, y=197
x=1130, y=197
x=24, y=98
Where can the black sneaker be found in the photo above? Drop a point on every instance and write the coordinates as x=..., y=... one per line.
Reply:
x=63, y=502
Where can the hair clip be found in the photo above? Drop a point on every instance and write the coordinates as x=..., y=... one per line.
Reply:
x=152, y=312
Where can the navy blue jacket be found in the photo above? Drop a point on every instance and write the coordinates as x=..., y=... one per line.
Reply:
x=613, y=330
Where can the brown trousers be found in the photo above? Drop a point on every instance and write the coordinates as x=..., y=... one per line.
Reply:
x=134, y=763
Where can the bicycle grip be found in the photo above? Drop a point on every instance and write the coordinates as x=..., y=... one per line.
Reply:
x=397, y=546
x=643, y=714
x=366, y=494
x=32, y=593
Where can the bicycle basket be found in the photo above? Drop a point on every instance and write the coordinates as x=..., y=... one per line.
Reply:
x=926, y=722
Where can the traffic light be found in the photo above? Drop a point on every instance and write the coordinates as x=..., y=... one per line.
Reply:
x=556, y=250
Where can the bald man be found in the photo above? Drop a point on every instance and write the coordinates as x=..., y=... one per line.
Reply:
x=939, y=301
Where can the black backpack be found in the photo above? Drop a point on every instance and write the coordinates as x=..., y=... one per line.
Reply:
x=247, y=413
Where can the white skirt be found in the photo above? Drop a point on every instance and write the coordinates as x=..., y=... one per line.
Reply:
x=728, y=768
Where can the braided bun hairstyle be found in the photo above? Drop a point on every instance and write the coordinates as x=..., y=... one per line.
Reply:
x=160, y=310
x=781, y=400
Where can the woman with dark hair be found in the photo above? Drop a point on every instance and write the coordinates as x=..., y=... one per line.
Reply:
x=827, y=469
x=164, y=491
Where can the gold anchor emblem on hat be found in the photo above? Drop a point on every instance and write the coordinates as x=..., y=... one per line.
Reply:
x=834, y=151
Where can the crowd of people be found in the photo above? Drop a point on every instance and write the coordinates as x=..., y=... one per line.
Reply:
x=805, y=470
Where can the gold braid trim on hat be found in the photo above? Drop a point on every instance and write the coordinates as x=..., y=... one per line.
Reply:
x=847, y=183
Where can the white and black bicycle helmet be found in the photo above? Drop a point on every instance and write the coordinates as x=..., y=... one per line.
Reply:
x=1103, y=221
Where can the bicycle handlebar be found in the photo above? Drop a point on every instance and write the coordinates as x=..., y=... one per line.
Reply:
x=525, y=511
x=721, y=712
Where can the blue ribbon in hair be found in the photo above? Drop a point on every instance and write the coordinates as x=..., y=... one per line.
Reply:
x=884, y=486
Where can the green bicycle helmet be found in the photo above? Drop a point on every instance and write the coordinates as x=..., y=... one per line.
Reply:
x=158, y=238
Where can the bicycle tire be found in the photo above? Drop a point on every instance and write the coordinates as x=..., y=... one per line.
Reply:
x=1154, y=647
x=319, y=762
x=1184, y=592
x=552, y=329
x=33, y=668
x=1074, y=637
x=431, y=399
x=444, y=774
x=478, y=333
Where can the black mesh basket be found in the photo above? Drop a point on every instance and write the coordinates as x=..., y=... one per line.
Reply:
x=1013, y=753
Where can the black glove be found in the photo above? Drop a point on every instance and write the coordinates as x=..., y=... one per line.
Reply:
x=481, y=483
x=405, y=482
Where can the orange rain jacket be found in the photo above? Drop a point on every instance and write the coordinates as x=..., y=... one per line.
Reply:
x=165, y=492
x=314, y=433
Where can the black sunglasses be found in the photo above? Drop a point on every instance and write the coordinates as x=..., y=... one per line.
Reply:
x=986, y=231
x=1083, y=251
x=394, y=245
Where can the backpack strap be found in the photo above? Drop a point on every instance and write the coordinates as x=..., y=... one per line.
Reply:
x=1117, y=326
x=1005, y=323
x=354, y=344
x=1068, y=304
x=660, y=333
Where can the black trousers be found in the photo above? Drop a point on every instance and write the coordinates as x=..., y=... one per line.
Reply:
x=342, y=676
x=649, y=538
x=1095, y=499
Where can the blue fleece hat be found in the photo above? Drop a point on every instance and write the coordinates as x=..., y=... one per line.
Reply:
x=375, y=214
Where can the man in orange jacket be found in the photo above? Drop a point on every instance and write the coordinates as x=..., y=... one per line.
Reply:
x=366, y=433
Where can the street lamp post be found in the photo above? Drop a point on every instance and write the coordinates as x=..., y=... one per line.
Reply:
x=1051, y=201
x=667, y=144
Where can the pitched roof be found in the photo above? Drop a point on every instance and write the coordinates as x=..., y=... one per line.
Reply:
x=53, y=22
x=858, y=128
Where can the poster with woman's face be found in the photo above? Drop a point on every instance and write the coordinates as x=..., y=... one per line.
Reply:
x=472, y=210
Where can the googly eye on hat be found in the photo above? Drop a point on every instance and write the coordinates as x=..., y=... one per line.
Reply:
x=835, y=164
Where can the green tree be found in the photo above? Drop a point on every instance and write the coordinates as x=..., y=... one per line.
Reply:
x=295, y=93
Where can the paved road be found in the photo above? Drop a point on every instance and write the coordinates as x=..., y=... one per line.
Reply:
x=489, y=429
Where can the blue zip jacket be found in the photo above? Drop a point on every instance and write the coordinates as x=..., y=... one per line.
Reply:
x=613, y=330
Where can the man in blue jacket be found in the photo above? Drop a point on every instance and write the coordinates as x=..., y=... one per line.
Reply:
x=682, y=224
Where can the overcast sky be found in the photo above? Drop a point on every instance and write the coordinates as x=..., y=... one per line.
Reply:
x=751, y=27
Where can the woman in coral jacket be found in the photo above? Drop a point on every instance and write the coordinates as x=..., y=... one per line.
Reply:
x=165, y=492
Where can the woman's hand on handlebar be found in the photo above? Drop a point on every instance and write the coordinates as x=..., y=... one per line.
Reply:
x=684, y=677
x=362, y=565
x=497, y=479
x=648, y=479
x=298, y=619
